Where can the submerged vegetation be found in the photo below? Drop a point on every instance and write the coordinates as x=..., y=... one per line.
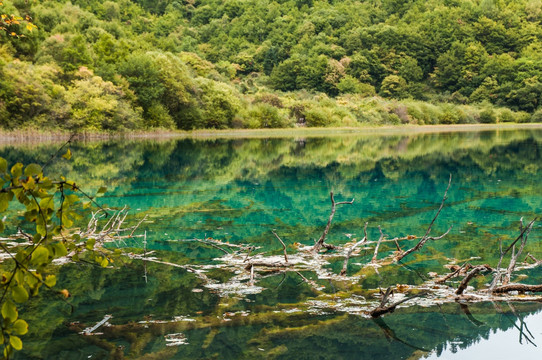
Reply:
x=175, y=292
x=121, y=65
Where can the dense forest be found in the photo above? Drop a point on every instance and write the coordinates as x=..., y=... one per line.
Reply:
x=141, y=64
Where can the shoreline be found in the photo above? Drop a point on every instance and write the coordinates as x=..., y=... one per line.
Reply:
x=29, y=136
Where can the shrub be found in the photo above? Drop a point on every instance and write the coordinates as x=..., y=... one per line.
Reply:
x=487, y=116
x=267, y=116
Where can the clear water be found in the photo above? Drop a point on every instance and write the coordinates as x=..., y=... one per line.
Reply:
x=238, y=190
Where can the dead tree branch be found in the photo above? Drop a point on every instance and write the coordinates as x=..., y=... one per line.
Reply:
x=475, y=271
x=515, y=256
x=377, y=245
x=521, y=288
x=351, y=250
x=463, y=268
x=382, y=309
x=426, y=237
x=316, y=248
x=283, y=246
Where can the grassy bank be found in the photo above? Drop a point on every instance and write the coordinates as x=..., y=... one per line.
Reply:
x=30, y=136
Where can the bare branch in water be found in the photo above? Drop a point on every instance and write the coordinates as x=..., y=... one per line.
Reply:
x=316, y=248
x=475, y=271
x=426, y=237
x=283, y=246
x=351, y=250
x=378, y=245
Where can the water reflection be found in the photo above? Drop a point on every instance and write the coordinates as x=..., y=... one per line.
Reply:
x=522, y=340
x=238, y=190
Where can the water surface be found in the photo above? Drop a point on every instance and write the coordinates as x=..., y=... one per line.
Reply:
x=239, y=190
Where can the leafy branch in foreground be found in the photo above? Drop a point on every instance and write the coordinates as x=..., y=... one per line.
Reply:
x=51, y=207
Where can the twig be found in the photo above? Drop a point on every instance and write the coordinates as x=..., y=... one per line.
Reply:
x=378, y=244
x=497, y=274
x=283, y=246
x=58, y=151
x=530, y=256
x=520, y=236
x=320, y=241
x=515, y=256
x=426, y=237
x=349, y=253
x=443, y=279
x=381, y=310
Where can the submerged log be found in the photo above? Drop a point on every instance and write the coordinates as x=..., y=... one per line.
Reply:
x=521, y=288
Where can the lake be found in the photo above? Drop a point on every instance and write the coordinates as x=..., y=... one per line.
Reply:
x=238, y=191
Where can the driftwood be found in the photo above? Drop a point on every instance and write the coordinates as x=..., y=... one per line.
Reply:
x=475, y=271
x=521, y=288
x=523, y=236
x=373, y=260
x=316, y=248
x=248, y=266
x=383, y=309
x=426, y=237
x=351, y=250
x=283, y=246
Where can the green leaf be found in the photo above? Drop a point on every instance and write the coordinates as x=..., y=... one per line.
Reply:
x=19, y=276
x=90, y=244
x=45, y=183
x=40, y=229
x=17, y=170
x=1, y=226
x=32, y=170
x=9, y=311
x=50, y=280
x=15, y=342
x=67, y=155
x=71, y=199
x=20, y=327
x=59, y=249
x=40, y=255
x=104, y=263
x=5, y=198
x=19, y=294
x=3, y=166
x=101, y=190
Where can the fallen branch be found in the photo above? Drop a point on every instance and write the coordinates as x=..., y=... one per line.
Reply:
x=457, y=272
x=514, y=258
x=521, y=288
x=283, y=246
x=90, y=330
x=426, y=237
x=475, y=271
x=316, y=248
x=351, y=250
x=382, y=309
x=377, y=245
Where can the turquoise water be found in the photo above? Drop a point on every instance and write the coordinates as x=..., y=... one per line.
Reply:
x=239, y=190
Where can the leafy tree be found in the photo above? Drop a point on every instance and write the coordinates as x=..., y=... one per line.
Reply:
x=393, y=86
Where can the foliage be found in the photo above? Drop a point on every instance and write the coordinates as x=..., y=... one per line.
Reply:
x=185, y=63
x=51, y=208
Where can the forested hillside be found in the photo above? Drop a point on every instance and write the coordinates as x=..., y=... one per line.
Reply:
x=140, y=64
